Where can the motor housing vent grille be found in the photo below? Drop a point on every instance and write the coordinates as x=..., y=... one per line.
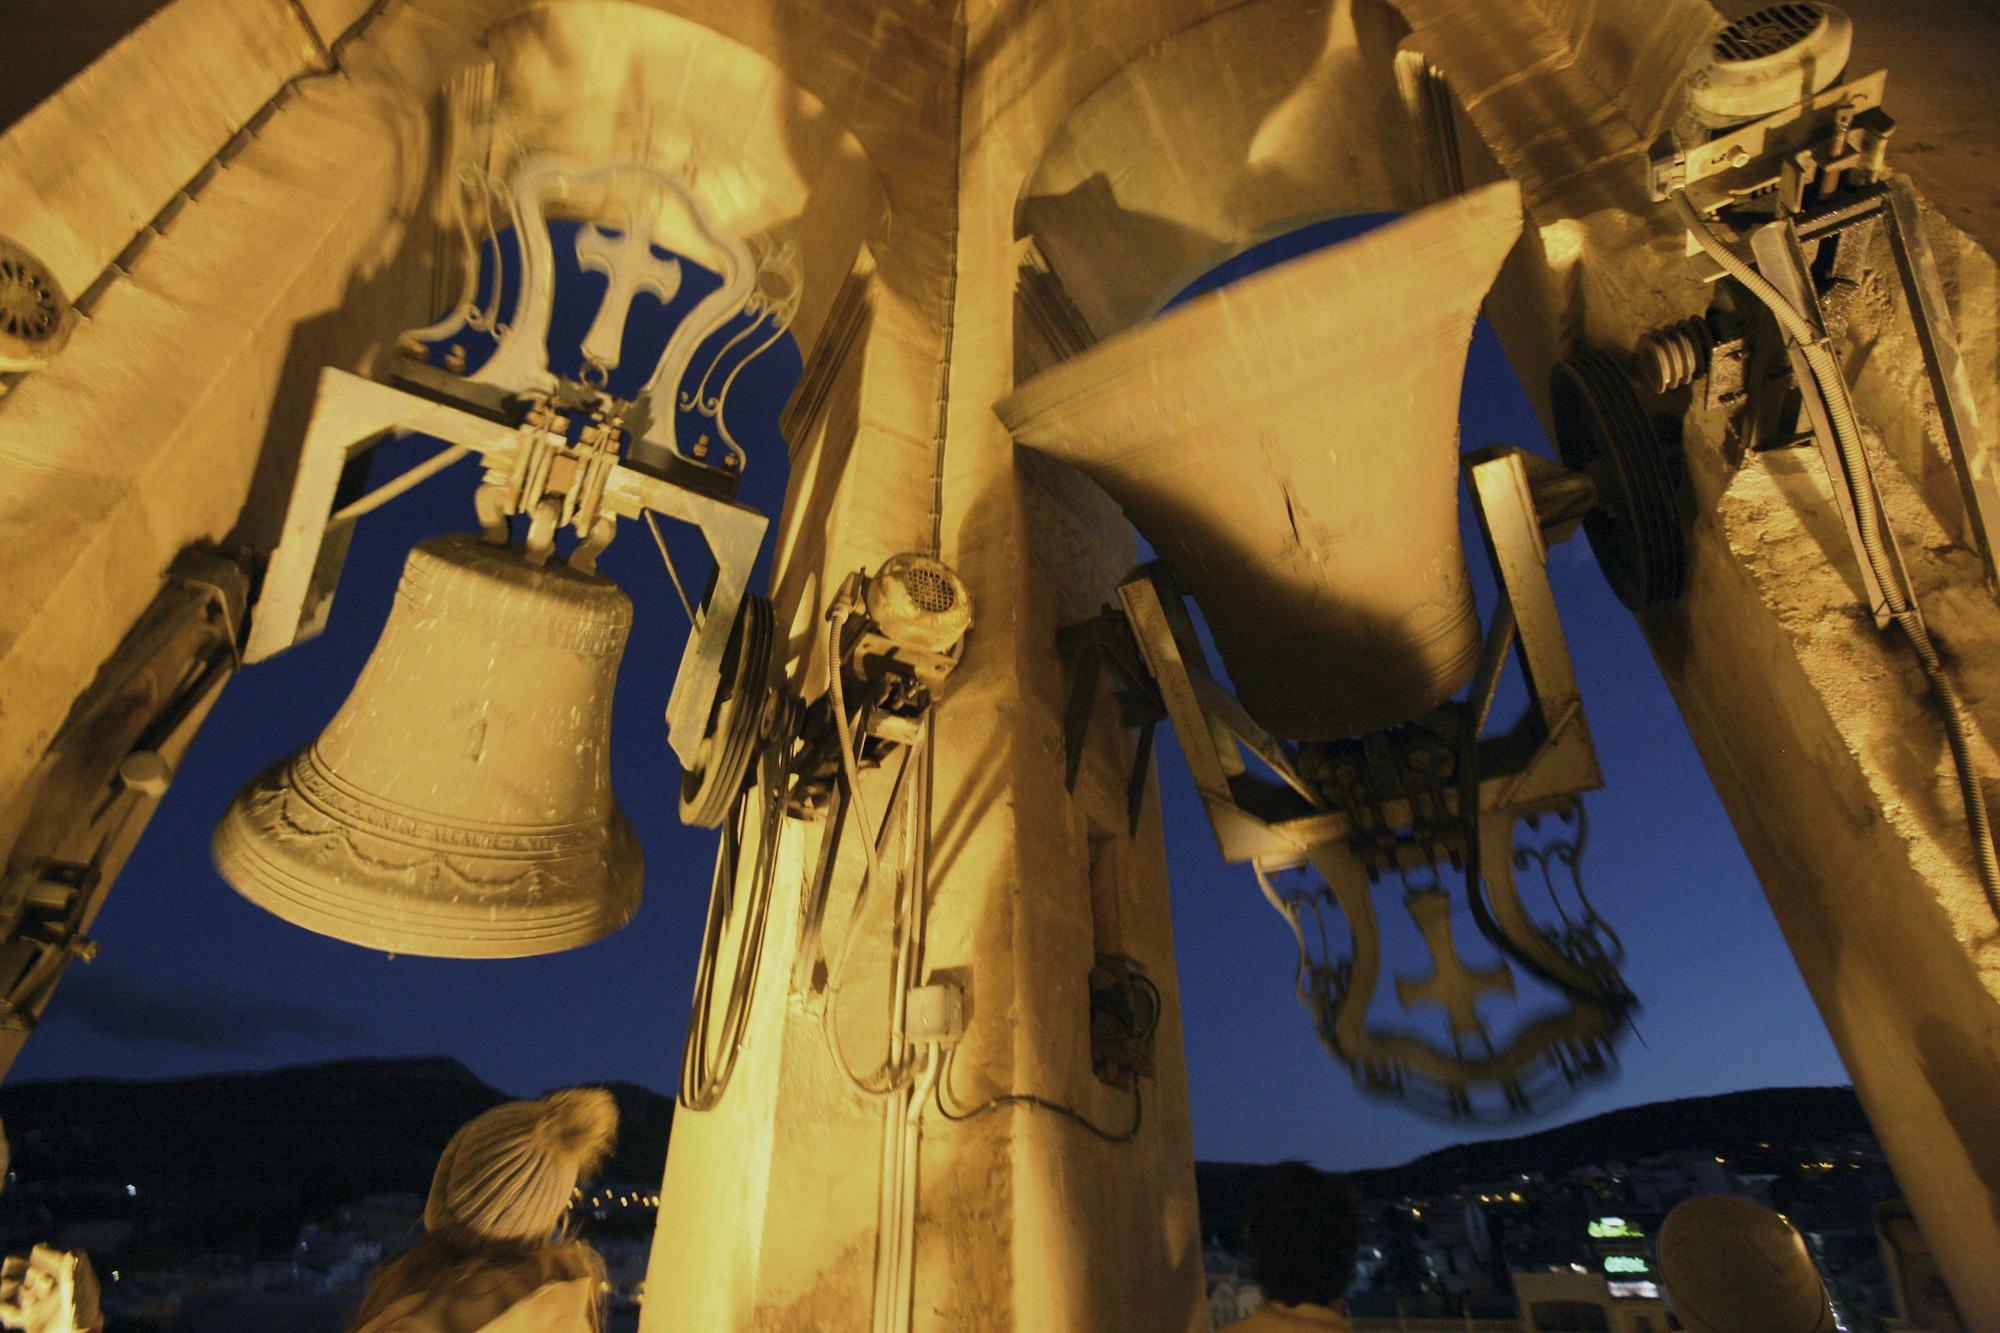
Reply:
x=930, y=588
x=35, y=316
x=1763, y=63
x=1767, y=33
x=918, y=602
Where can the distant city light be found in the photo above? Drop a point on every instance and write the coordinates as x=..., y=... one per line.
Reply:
x=131, y=1191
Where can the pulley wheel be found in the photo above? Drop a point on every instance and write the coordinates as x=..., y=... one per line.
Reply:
x=34, y=313
x=710, y=784
x=1635, y=528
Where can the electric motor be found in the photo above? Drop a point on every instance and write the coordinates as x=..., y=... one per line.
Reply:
x=1767, y=61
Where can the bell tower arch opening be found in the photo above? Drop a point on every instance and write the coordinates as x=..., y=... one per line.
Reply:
x=1152, y=193
x=1660, y=858
x=455, y=102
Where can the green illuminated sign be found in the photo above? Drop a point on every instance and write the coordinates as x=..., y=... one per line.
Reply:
x=1613, y=1228
x=1625, y=1263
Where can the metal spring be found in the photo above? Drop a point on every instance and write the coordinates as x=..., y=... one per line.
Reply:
x=1675, y=356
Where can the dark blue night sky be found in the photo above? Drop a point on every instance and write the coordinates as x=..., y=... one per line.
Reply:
x=192, y=978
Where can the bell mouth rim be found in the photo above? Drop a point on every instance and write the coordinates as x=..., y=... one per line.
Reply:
x=372, y=913
x=1288, y=715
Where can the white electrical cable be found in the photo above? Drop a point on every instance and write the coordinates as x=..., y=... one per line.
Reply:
x=896, y=1071
x=888, y=1215
x=837, y=617
x=894, y=1292
x=903, y=1285
x=1868, y=518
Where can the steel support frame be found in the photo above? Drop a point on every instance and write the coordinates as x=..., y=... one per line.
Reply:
x=103, y=777
x=352, y=415
x=1539, y=765
x=1543, y=761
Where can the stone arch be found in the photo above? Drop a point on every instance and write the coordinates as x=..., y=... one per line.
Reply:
x=1240, y=127
x=614, y=80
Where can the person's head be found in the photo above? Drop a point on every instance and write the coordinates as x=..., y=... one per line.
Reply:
x=501, y=1189
x=1731, y=1264
x=509, y=1174
x=1302, y=1230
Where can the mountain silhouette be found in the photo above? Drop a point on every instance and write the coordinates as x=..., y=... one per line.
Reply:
x=238, y=1162
x=1738, y=1125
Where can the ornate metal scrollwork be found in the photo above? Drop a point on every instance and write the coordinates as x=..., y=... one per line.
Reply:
x=773, y=302
x=758, y=290
x=476, y=198
x=1554, y=1048
x=1586, y=938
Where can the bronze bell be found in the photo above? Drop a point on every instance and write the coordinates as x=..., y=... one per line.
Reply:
x=459, y=805
x=1289, y=445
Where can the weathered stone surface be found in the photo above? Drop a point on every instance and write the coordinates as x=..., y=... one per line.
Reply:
x=918, y=146
x=1818, y=731
x=83, y=171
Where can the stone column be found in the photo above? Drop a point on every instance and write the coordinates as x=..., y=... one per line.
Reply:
x=1025, y=1218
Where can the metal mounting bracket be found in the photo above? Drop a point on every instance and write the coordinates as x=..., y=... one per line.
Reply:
x=1093, y=647
x=352, y=415
x=1545, y=758
x=1353, y=811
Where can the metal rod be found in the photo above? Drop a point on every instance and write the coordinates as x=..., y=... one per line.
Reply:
x=1815, y=223
x=388, y=491
x=1779, y=261
x=1951, y=383
x=660, y=540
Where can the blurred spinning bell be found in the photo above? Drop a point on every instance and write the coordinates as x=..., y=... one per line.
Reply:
x=1289, y=445
x=459, y=805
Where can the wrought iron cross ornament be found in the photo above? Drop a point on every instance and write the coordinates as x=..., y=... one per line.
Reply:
x=630, y=267
x=1450, y=983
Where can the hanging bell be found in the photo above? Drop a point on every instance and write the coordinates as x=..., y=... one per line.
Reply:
x=459, y=805
x=1289, y=445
